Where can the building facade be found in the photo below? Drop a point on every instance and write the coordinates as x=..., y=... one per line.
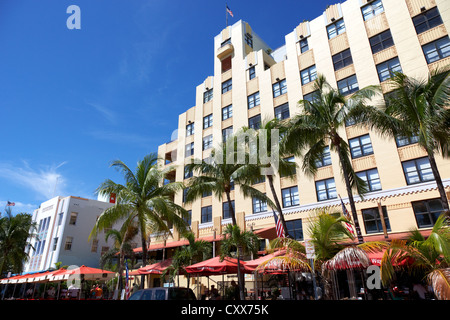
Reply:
x=62, y=234
x=353, y=44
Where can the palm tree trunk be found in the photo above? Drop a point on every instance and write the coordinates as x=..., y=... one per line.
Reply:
x=277, y=202
x=230, y=207
x=240, y=274
x=438, y=179
x=144, y=258
x=350, y=196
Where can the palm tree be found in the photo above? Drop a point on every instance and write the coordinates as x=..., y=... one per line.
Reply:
x=272, y=163
x=430, y=256
x=419, y=109
x=330, y=238
x=220, y=174
x=195, y=251
x=318, y=125
x=121, y=247
x=143, y=200
x=14, y=232
x=238, y=243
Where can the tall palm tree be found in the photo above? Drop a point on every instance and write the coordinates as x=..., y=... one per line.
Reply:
x=318, y=125
x=143, y=200
x=195, y=251
x=220, y=174
x=269, y=164
x=417, y=108
x=238, y=243
x=14, y=232
x=429, y=256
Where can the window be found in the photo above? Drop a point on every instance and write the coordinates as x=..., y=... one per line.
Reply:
x=226, y=133
x=360, y=146
x=73, y=218
x=417, y=171
x=372, y=220
x=226, y=86
x=251, y=73
x=427, y=20
x=94, y=246
x=55, y=243
x=350, y=122
x=289, y=159
x=325, y=158
x=227, y=41
x=427, y=212
x=348, y=85
x=260, y=179
x=437, y=50
x=207, y=142
x=207, y=121
x=326, y=189
x=371, y=10
x=386, y=69
x=190, y=129
x=227, y=112
x=311, y=96
x=254, y=122
x=68, y=244
x=259, y=205
x=282, y=112
x=279, y=88
x=207, y=95
x=226, y=212
x=290, y=196
x=61, y=216
x=295, y=229
x=308, y=75
x=342, y=59
x=404, y=141
x=189, y=151
x=187, y=173
x=185, y=192
x=248, y=39
x=336, y=28
x=381, y=41
x=253, y=100
x=206, y=215
x=304, y=45
x=372, y=179
x=226, y=64
x=188, y=218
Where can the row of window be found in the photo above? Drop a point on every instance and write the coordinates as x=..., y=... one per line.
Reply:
x=426, y=213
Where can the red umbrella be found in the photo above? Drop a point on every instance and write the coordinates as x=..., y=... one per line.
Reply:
x=251, y=265
x=214, y=266
x=92, y=273
x=156, y=268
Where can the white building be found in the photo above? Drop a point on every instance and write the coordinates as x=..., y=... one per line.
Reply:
x=62, y=235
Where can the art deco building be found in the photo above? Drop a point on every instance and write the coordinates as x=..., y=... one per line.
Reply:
x=353, y=44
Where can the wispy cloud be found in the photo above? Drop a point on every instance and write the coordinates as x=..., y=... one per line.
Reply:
x=46, y=181
x=106, y=113
x=124, y=138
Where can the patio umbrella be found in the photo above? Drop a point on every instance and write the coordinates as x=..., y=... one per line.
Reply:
x=214, y=266
x=253, y=264
x=283, y=263
x=156, y=268
x=89, y=273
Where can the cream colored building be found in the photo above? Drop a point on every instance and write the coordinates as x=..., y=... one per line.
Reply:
x=257, y=81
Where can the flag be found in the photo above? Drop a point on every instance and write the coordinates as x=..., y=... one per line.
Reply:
x=127, y=288
x=279, y=226
x=229, y=11
x=10, y=204
x=348, y=226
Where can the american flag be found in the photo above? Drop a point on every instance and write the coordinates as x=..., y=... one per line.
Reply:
x=279, y=226
x=10, y=204
x=127, y=288
x=229, y=11
x=347, y=216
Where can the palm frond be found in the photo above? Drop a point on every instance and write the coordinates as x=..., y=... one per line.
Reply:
x=440, y=282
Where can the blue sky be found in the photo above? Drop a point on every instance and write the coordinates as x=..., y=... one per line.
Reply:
x=71, y=101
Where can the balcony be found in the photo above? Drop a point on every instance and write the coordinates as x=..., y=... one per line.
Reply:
x=225, y=50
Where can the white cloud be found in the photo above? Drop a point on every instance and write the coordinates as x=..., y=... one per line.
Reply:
x=46, y=182
x=108, y=114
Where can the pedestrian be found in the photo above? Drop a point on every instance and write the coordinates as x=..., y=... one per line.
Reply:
x=98, y=292
x=236, y=294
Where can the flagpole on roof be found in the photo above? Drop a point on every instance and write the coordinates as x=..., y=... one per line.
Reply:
x=226, y=14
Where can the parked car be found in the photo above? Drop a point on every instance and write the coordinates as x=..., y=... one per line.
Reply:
x=163, y=294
